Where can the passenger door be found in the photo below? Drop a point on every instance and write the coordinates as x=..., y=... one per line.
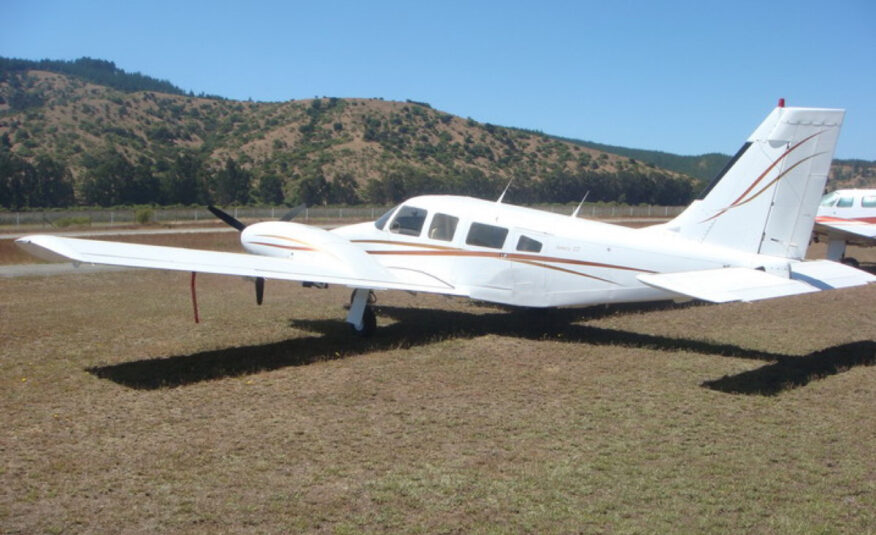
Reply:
x=530, y=272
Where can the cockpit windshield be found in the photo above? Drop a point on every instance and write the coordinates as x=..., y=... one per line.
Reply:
x=829, y=199
x=409, y=221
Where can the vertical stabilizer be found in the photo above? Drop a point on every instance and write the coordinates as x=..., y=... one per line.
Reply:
x=766, y=199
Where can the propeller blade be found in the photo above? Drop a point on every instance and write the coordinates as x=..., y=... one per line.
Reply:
x=260, y=289
x=195, y=298
x=293, y=213
x=229, y=219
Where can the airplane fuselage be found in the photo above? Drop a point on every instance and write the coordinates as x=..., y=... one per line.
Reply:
x=517, y=256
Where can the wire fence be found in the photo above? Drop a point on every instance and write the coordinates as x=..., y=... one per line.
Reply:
x=130, y=216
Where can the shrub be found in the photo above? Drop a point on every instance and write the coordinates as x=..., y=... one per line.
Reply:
x=73, y=221
x=144, y=216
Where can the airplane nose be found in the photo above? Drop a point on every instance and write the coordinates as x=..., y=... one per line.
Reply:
x=247, y=237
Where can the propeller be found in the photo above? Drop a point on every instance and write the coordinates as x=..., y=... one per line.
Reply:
x=227, y=218
x=239, y=225
x=293, y=213
x=260, y=289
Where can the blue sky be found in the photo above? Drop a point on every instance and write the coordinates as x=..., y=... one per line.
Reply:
x=687, y=77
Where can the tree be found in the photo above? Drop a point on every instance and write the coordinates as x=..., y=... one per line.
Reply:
x=25, y=185
x=184, y=182
x=143, y=187
x=343, y=190
x=270, y=190
x=231, y=184
x=313, y=190
x=16, y=178
x=107, y=179
x=54, y=184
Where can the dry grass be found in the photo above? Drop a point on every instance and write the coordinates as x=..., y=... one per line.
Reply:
x=121, y=415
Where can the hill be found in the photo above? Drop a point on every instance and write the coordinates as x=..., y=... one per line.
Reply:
x=87, y=132
x=69, y=137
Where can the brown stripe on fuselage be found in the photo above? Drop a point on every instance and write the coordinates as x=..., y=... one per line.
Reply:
x=564, y=270
x=288, y=247
x=407, y=244
x=537, y=259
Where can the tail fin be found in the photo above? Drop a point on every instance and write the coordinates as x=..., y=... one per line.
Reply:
x=766, y=198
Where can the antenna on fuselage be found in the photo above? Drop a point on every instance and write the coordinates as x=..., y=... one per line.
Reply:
x=580, y=204
x=502, y=196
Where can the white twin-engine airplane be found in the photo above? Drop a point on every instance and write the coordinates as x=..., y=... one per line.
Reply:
x=847, y=216
x=743, y=240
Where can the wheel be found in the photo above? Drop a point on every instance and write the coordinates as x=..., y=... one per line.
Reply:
x=849, y=261
x=369, y=323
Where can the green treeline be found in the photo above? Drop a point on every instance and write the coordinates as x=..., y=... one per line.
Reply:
x=96, y=71
x=702, y=167
x=189, y=178
x=43, y=183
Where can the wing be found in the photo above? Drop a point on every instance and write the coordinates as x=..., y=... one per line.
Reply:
x=744, y=284
x=342, y=266
x=860, y=232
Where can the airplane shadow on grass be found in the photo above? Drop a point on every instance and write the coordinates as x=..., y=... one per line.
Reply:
x=417, y=327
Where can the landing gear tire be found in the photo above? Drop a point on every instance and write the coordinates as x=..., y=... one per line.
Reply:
x=369, y=324
x=849, y=261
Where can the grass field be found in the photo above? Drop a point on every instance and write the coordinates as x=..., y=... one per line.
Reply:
x=121, y=415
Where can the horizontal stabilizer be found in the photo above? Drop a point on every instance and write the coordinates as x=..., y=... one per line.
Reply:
x=826, y=274
x=727, y=284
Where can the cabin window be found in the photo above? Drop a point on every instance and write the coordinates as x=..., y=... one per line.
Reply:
x=443, y=227
x=486, y=236
x=529, y=245
x=868, y=201
x=845, y=202
x=380, y=223
x=829, y=199
x=409, y=221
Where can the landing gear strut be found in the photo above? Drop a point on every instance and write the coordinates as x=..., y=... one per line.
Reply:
x=361, y=316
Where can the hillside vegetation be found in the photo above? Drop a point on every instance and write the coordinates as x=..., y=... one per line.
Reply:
x=86, y=132
x=843, y=173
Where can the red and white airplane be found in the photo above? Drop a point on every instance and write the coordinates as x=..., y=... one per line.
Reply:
x=847, y=216
x=743, y=240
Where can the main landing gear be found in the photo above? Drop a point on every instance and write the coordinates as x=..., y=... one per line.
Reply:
x=361, y=315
